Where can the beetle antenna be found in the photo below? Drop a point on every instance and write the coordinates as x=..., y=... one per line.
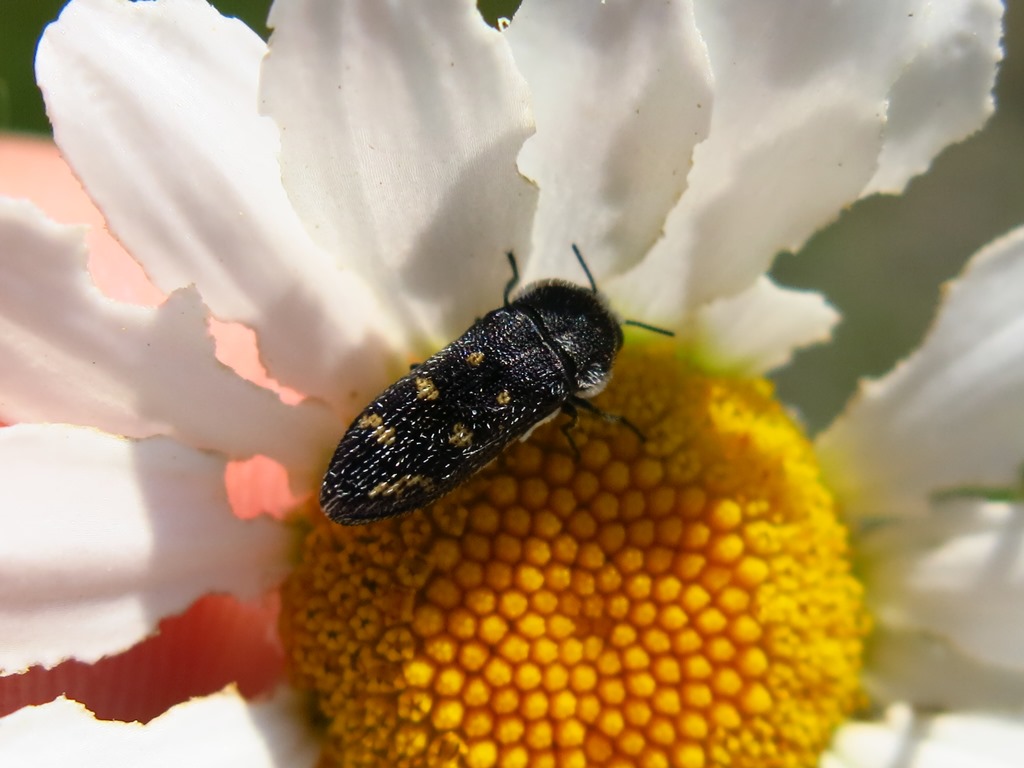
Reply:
x=514, y=280
x=593, y=287
x=646, y=327
x=586, y=269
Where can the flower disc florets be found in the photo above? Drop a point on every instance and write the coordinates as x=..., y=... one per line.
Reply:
x=684, y=601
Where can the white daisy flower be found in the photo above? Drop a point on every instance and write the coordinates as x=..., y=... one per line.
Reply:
x=725, y=592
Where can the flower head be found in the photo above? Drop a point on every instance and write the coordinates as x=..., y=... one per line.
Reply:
x=671, y=602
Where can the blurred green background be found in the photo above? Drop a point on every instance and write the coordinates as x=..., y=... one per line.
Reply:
x=881, y=263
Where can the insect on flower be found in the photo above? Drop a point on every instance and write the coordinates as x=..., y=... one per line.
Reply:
x=544, y=352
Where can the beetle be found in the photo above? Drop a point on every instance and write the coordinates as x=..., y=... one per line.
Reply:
x=546, y=351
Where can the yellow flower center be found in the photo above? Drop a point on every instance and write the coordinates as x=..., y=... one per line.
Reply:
x=684, y=601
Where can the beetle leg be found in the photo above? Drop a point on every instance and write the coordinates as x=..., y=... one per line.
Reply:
x=589, y=407
x=569, y=409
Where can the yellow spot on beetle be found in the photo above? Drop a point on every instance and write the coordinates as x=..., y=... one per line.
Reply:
x=461, y=436
x=400, y=485
x=504, y=398
x=685, y=601
x=369, y=420
x=385, y=435
x=426, y=389
x=475, y=358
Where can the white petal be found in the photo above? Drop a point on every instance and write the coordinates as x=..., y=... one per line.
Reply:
x=950, y=741
x=944, y=93
x=400, y=125
x=959, y=573
x=155, y=107
x=930, y=673
x=101, y=537
x=219, y=730
x=758, y=330
x=797, y=130
x=989, y=737
x=622, y=94
x=830, y=760
x=949, y=416
x=136, y=371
